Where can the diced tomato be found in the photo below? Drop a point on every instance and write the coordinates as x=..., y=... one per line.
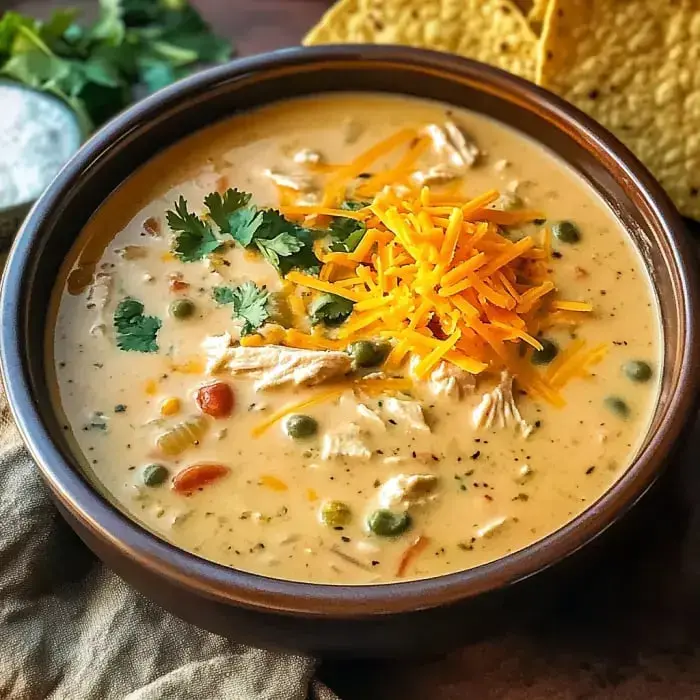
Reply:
x=176, y=283
x=216, y=400
x=197, y=475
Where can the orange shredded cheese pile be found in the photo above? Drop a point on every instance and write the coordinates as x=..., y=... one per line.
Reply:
x=435, y=275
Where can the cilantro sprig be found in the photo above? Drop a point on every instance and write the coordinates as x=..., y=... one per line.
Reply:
x=135, y=331
x=99, y=69
x=331, y=310
x=250, y=304
x=284, y=244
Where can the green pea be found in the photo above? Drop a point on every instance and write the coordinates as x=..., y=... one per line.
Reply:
x=181, y=308
x=300, y=426
x=546, y=355
x=365, y=353
x=637, y=371
x=566, y=232
x=385, y=523
x=617, y=406
x=335, y=513
x=154, y=474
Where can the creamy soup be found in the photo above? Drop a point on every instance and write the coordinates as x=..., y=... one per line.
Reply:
x=354, y=339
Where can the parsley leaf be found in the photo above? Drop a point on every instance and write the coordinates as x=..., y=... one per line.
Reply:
x=195, y=238
x=330, y=309
x=135, y=332
x=222, y=207
x=249, y=304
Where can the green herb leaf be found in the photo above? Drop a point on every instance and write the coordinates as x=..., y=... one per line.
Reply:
x=222, y=207
x=330, y=309
x=99, y=69
x=284, y=245
x=345, y=232
x=250, y=304
x=134, y=331
x=244, y=224
x=195, y=239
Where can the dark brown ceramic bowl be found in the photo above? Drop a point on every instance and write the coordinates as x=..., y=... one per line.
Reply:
x=415, y=616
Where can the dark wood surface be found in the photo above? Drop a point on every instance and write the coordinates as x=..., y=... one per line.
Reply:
x=628, y=631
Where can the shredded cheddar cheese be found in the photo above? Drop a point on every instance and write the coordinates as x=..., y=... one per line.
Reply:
x=435, y=274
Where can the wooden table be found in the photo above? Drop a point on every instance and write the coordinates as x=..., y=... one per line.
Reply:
x=629, y=631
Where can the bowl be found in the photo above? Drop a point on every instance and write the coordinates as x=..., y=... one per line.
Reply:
x=365, y=620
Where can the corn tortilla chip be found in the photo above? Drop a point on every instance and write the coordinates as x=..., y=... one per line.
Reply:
x=538, y=12
x=633, y=66
x=492, y=31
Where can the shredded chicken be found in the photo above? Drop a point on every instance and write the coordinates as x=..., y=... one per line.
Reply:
x=456, y=153
x=491, y=527
x=497, y=408
x=300, y=182
x=97, y=298
x=406, y=490
x=447, y=379
x=308, y=155
x=370, y=417
x=509, y=198
x=346, y=441
x=274, y=365
x=132, y=252
x=406, y=413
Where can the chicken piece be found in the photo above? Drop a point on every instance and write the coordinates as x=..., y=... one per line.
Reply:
x=346, y=441
x=446, y=379
x=405, y=412
x=308, y=155
x=492, y=527
x=456, y=153
x=406, y=490
x=216, y=348
x=274, y=365
x=497, y=408
x=98, y=297
x=370, y=417
x=300, y=182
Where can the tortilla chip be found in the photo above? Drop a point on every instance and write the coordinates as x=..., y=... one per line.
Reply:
x=492, y=31
x=632, y=65
x=538, y=12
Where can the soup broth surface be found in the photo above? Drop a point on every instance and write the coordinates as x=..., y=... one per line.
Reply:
x=458, y=478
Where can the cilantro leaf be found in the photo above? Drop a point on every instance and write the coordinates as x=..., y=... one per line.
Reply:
x=134, y=331
x=244, y=224
x=222, y=207
x=346, y=234
x=250, y=304
x=283, y=245
x=223, y=295
x=330, y=309
x=98, y=69
x=195, y=238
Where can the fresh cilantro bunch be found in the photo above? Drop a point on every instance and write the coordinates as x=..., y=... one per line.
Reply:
x=97, y=69
x=135, y=331
x=250, y=304
x=284, y=244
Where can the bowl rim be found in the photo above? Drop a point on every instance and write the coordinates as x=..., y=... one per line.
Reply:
x=255, y=591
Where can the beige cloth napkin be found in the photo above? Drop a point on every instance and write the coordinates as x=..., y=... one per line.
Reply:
x=70, y=629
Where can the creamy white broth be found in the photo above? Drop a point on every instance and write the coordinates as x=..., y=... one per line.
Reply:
x=496, y=491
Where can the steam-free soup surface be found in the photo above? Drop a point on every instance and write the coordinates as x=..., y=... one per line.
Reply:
x=204, y=370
